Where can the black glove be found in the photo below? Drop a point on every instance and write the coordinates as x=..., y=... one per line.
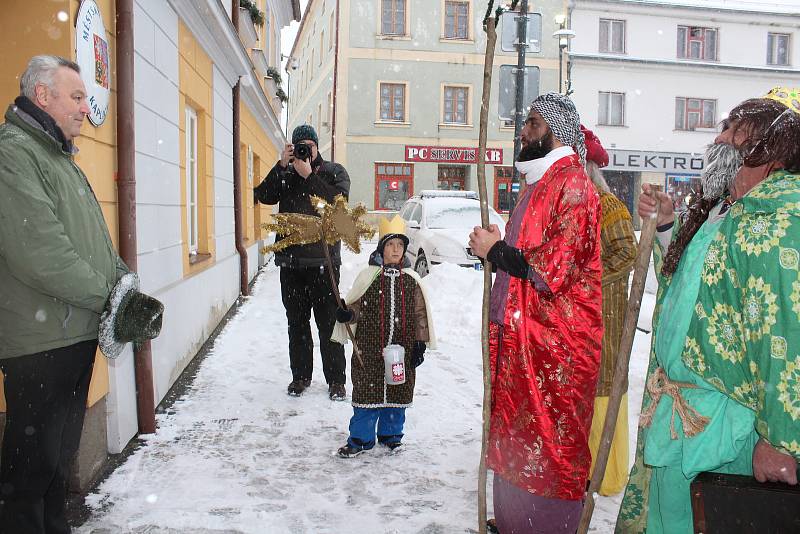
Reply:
x=418, y=353
x=344, y=315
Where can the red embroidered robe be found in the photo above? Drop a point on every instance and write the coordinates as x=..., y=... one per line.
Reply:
x=545, y=358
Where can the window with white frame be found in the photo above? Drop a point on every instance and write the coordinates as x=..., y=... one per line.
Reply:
x=329, y=110
x=693, y=113
x=393, y=102
x=319, y=117
x=778, y=49
x=456, y=105
x=697, y=43
x=612, y=36
x=192, y=225
x=321, y=45
x=331, y=30
x=456, y=19
x=250, y=165
x=393, y=17
x=611, y=109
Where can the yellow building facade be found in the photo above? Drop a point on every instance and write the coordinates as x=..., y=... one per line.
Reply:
x=188, y=57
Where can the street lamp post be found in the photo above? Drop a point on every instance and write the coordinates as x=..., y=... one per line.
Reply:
x=563, y=35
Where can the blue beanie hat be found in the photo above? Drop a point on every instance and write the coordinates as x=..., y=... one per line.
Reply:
x=304, y=132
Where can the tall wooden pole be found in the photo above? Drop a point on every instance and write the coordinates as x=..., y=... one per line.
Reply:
x=620, y=381
x=491, y=39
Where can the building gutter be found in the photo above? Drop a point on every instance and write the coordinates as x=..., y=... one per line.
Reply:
x=237, y=171
x=126, y=201
x=335, y=84
x=682, y=64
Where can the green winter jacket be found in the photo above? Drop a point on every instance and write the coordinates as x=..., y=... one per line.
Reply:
x=57, y=262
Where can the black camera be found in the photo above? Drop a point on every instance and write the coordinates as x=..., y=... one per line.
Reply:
x=302, y=151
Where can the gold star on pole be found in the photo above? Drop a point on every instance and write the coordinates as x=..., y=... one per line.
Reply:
x=340, y=222
x=336, y=222
x=295, y=229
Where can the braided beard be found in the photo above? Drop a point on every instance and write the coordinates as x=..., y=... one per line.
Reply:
x=723, y=161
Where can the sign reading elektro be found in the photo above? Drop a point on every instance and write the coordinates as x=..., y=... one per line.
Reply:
x=444, y=154
x=666, y=162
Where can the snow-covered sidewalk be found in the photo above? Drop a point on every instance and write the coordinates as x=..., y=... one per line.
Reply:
x=236, y=454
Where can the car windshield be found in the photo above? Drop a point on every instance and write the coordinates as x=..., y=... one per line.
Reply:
x=447, y=213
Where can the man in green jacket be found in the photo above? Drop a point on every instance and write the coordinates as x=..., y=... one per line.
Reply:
x=57, y=269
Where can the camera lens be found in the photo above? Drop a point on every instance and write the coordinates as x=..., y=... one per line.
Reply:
x=302, y=151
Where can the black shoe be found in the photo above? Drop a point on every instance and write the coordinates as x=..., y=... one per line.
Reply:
x=297, y=387
x=491, y=526
x=393, y=446
x=337, y=392
x=348, y=451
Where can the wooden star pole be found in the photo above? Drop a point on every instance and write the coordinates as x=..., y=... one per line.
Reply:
x=620, y=381
x=336, y=222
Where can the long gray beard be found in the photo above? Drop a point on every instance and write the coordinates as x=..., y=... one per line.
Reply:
x=723, y=161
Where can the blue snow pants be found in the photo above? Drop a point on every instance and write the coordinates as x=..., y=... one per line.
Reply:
x=390, y=423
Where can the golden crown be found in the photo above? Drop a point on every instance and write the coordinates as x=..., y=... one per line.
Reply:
x=788, y=96
x=394, y=226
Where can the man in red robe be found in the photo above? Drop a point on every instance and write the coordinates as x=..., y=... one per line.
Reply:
x=546, y=328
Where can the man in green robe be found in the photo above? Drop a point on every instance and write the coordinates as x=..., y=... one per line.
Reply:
x=723, y=386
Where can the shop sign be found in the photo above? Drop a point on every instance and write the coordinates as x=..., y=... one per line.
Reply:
x=92, y=54
x=643, y=161
x=394, y=185
x=443, y=154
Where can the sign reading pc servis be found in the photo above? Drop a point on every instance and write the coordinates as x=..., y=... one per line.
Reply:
x=92, y=55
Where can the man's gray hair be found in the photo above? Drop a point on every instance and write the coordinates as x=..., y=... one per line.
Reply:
x=594, y=172
x=40, y=70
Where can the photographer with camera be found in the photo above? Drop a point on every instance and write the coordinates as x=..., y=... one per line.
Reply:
x=301, y=173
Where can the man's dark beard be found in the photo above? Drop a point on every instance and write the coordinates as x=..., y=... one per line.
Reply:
x=537, y=149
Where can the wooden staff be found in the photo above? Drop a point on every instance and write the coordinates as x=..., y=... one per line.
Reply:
x=491, y=39
x=339, y=301
x=620, y=381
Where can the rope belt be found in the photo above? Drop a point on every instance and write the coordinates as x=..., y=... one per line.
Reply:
x=660, y=384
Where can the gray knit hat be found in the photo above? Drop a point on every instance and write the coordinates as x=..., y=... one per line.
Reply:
x=562, y=117
x=305, y=132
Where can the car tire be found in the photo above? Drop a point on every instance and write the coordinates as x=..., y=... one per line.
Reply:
x=421, y=265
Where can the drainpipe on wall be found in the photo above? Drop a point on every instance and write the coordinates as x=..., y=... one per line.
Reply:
x=335, y=84
x=237, y=172
x=126, y=201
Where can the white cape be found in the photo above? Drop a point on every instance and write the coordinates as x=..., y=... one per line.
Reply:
x=360, y=286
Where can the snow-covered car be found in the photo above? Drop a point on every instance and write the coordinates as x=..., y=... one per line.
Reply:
x=438, y=224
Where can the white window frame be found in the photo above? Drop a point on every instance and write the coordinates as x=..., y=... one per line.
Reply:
x=192, y=183
x=250, y=165
x=773, y=48
x=606, y=98
x=607, y=47
x=331, y=31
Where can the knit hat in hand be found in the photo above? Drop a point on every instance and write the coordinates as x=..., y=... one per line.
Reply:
x=129, y=316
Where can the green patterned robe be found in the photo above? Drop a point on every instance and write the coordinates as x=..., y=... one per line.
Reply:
x=744, y=335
